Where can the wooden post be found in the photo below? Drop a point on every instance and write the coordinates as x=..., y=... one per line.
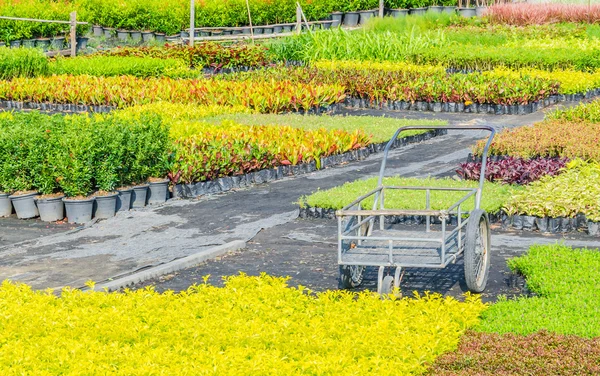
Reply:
x=192, y=22
x=73, y=20
x=298, y=19
x=381, y=8
x=250, y=21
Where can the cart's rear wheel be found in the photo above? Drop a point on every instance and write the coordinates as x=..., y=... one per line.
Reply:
x=477, y=251
x=351, y=276
x=387, y=285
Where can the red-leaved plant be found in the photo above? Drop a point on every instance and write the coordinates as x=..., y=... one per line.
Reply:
x=513, y=170
x=537, y=14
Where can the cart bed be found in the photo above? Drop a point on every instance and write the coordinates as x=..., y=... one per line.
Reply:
x=405, y=253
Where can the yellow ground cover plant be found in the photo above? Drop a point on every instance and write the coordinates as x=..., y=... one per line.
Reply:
x=252, y=326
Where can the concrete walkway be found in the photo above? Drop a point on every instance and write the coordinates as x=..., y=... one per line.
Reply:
x=142, y=238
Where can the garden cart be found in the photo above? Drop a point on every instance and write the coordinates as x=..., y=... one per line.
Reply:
x=368, y=238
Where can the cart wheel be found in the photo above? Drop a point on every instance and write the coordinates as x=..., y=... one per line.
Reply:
x=477, y=251
x=387, y=285
x=351, y=276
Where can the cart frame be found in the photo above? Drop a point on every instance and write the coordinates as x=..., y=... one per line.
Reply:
x=356, y=225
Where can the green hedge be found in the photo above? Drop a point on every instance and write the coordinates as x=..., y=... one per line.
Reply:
x=78, y=154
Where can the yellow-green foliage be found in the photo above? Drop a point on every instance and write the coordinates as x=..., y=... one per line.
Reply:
x=252, y=326
x=381, y=66
x=176, y=111
x=571, y=81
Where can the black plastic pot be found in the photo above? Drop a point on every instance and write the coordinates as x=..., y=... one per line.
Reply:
x=160, y=37
x=450, y=9
x=528, y=223
x=566, y=224
x=79, y=211
x=593, y=228
x=57, y=43
x=553, y=225
x=124, y=35
x=157, y=192
x=256, y=30
x=365, y=16
x=337, y=17
x=138, y=198
x=81, y=43
x=351, y=19
x=287, y=28
x=15, y=43
x=147, y=36
x=51, y=209
x=277, y=29
x=5, y=205
x=435, y=9
x=542, y=224
x=28, y=43
x=25, y=205
x=467, y=12
x=398, y=13
x=517, y=222
x=479, y=11
x=97, y=30
x=417, y=11
x=124, y=199
x=267, y=30
x=136, y=36
x=109, y=32
x=105, y=206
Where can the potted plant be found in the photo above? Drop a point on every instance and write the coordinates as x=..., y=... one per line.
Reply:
x=435, y=8
x=105, y=203
x=51, y=206
x=449, y=6
x=49, y=203
x=158, y=189
x=5, y=204
x=397, y=8
x=97, y=30
x=418, y=7
x=351, y=15
x=465, y=9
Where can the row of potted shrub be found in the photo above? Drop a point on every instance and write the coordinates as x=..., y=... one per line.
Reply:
x=46, y=158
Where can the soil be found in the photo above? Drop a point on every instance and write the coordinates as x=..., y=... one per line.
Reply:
x=127, y=188
x=157, y=180
x=23, y=193
x=79, y=198
x=104, y=193
x=51, y=196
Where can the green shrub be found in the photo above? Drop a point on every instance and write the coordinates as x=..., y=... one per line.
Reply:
x=80, y=153
x=22, y=62
x=567, y=288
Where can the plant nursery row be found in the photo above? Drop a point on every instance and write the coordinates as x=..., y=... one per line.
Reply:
x=172, y=16
x=79, y=155
x=452, y=42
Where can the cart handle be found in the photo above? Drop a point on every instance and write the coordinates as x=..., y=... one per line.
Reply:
x=458, y=128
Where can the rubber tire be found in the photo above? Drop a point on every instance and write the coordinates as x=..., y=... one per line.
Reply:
x=470, y=255
x=346, y=280
x=387, y=285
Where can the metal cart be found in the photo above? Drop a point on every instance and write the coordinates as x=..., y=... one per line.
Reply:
x=361, y=244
